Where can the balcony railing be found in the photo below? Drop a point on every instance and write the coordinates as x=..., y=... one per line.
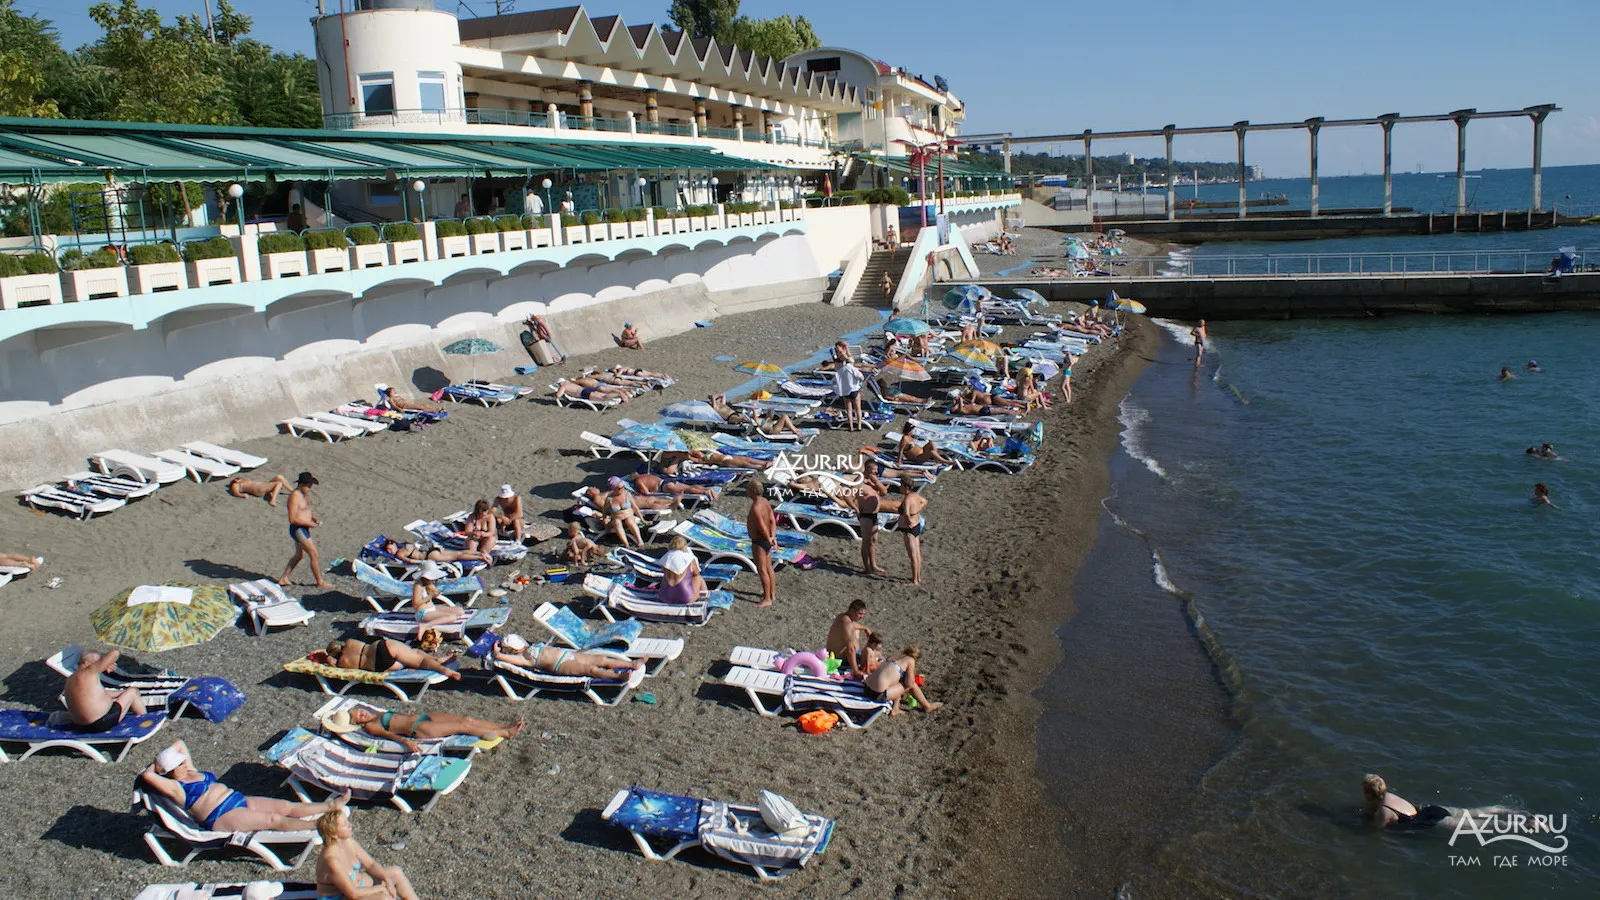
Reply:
x=485, y=116
x=677, y=128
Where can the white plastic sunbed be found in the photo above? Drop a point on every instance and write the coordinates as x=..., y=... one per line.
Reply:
x=110, y=485
x=622, y=637
x=288, y=890
x=268, y=606
x=856, y=706
x=570, y=400
x=137, y=467
x=366, y=425
x=603, y=447
x=332, y=767
x=198, y=467
x=300, y=427
x=174, y=825
x=224, y=454
x=83, y=506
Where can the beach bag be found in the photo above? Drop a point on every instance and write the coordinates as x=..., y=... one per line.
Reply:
x=818, y=721
x=782, y=817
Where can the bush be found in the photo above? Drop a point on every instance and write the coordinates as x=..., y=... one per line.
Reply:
x=76, y=260
x=741, y=208
x=787, y=204
x=280, y=242
x=891, y=195
x=590, y=217
x=39, y=264
x=449, y=228
x=849, y=200
x=331, y=240
x=400, y=232
x=11, y=266
x=662, y=212
x=534, y=222
x=634, y=214
x=508, y=223
x=568, y=220
x=364, y=235
x=480, y=226
x=705, y=209
x=615, y=215
x=153, y=254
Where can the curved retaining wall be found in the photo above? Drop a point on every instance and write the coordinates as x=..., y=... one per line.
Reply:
x=230, y=373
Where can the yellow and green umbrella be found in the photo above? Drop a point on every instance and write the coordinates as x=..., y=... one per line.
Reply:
x=697, y=440
x=977, y=353
x=905, y=368
x=153, y=618
x=764, y=369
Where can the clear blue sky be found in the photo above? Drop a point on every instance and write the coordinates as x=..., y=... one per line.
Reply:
x=1052, y=66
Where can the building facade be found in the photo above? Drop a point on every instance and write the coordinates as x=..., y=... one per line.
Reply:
x=897, y=109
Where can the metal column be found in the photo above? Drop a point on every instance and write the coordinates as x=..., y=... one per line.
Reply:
x=1538, y=113
x=1088, y=171
x=1172, y=198
x=1314, y=128
x=1461, y=117
x=1239, y=129
x=1006, y=149
x=1386, y=122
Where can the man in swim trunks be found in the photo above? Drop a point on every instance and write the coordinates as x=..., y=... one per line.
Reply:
x=90, y=706
x=1199, y=334
x=301, y=521
x=649, y=483
x=846, y=636
x=602, y=394
x=762, y=524
x=1385, y=810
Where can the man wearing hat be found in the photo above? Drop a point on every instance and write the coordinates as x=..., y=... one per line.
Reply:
x=301, y=521
x=508, y=513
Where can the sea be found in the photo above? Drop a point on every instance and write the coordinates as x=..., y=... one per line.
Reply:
x=1319, y=559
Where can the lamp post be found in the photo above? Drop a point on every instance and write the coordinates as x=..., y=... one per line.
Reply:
x=417, y=187
x=714, y=183
x=642, y=182
x=546, y=185
x=236, y=191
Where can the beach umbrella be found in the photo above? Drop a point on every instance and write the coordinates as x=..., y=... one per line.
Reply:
x=156, y=617
x=1072, y=239
x=692, y=411
x=907, y=327
x=698, y=440
x=1031, y=297
x=649, y=437
x=1117, y=232
x=1114, y=251
x=905, y=368
x=980, y=354
x=1123, y=304
x=1077, y=251
x=960, y=301
x=473, y=347
x=764, y=369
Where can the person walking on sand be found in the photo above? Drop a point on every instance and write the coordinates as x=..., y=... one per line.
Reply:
x=1199, y=334
x=762, y=524
x=911, y=525
x=301, y=521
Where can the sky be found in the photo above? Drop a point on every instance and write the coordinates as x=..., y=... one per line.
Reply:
x=1033, y=67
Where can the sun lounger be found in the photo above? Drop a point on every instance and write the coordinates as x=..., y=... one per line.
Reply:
x=713, y=546
x=367, y=426
x=470, y=587
x=455, y=745
x=289, y=890
x=333, y=767
x=174, y=825
x=524, y=683
x=807, y=390
x=404, y=569
x=513, y=389
x=114, y=486
x=198, y=467
x=397, y=682
x=268, y=606
x=300, y=427
x=476, y=393
x=739, y=834
x=214, y=698
x=570, y=400
x=812, y=518
x=440, y=533
x=856, y=706
x=647, y=566
x=44, y=731
x=80, y=505
x=621, y=596
x=224, y=454
x=403, y=625
x=602, y=447
x=623, y=637
x=137, y=466
x=734, y=528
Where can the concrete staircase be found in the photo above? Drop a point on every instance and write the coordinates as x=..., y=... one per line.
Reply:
x=869, y=290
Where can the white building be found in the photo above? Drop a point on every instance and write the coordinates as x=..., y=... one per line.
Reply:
x=897, y=108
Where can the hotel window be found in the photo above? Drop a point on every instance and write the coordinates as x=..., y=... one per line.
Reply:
x=377, y=94
x=430, y=89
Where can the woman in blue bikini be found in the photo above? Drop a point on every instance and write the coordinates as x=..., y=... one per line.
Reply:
x=345, y=871
x=220, y=808
x=514, y=649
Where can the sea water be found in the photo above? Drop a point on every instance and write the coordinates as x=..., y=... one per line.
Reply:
x=1340, y=511
x=1571, y=189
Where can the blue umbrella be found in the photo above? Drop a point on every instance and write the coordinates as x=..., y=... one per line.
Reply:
x=907, y=327
x=692, y=411
x=957, y=299
x=650, y=437
x=1031, y=296
x=1077, y=251
x=473, y=347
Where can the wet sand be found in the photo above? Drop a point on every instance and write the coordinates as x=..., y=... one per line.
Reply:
x=941, y=804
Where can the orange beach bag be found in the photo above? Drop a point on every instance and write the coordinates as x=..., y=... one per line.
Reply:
x=818, y=721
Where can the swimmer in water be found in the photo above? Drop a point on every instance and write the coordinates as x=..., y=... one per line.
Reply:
x=1541, y=496
x=1505, y=373
x=1547, y=450
x=1385, y=810
x=1533, y=366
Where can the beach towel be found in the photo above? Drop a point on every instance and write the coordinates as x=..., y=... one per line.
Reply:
x=215, y=698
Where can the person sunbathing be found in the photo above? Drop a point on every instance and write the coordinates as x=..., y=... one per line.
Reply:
x=982, y=441
x=508, y=513
x=1030, y=389
x=218, y=807
x=597, y=499
x=415, y=553
x=896, y=676
x=909, y=452
x=875, y=469
x=603, y=393
x=425, y=599
x=32, y=563
x=386, y=655
x=627, y=372
x=93, y=707
x=407, y=729
x=621, y=512
x=989, y=399
x=681, y=581
x=580, y=549
x=480, y=529
x=244, y=487
x=515, y=650
x=772, y=424
x=897, y=397
x=712, y=458
x=345, y=871
x=649, y=483
x=399, y=403
x=629, y=339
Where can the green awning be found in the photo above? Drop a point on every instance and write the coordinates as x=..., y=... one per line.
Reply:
x=281, y=159
x=128, y=154
x=18, y=167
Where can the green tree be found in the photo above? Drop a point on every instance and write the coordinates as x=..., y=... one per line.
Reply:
x=28, y=45
x=779, y=37
x=159, y=73
x=704, y=18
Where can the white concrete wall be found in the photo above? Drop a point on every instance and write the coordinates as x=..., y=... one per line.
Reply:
x=837, y=233
x=402, y=41
x=225, y=375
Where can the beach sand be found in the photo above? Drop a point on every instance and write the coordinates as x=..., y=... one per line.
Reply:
x=941, y=804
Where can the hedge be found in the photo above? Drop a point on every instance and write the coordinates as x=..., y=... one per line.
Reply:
x=76, y=260
x=449, y=228
x=28, y=264
x=634, y=214
x=616, y=215
x=508, y=223
x=210, y=248
x=280, y=242
x=479, y=226
x=662, y=212
x=567, y=219
x=153, y=254
x=400, y=232
x=332, y=240
x=531, y=221
x=362, y=234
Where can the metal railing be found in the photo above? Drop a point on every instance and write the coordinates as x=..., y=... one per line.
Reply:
x=677, y=128
x=1291, y=265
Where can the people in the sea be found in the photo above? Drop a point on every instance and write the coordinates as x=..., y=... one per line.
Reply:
x=406, y=729
x=514, y=649
x=244, y=487
x=580, y=549
x=345, y=871
x=90, y=705
x=1533, y=366
x=1198, y=332
x=218, y=807
x=1541, y=496
x=896, y=676
x=1383, y=809
x=385, y=655
x=847, y=636
x=1505, y=373
x=1543, y=451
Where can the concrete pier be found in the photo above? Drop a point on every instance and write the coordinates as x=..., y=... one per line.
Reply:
x=1298, y=225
